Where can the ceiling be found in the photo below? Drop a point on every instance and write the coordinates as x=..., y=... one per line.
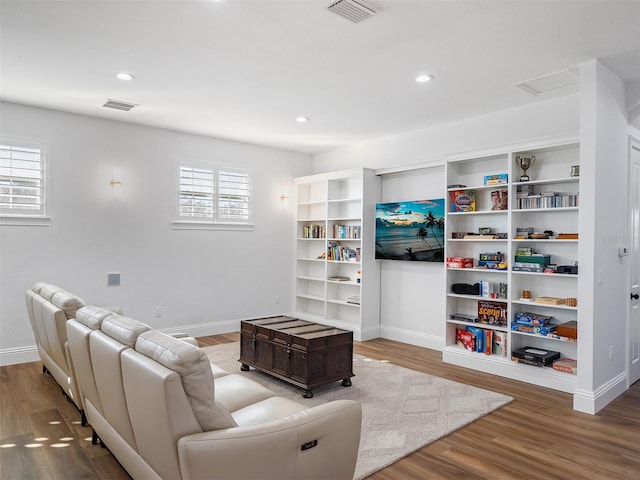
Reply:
x=245, y=69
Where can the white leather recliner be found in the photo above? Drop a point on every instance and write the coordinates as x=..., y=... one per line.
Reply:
x=166, y=413
x=49, y=307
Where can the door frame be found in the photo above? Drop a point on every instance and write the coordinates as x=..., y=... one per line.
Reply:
x=634, y=144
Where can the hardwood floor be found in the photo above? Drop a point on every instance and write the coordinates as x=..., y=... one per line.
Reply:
x=537, y=436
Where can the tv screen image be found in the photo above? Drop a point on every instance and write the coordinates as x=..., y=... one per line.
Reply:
x=412, y=230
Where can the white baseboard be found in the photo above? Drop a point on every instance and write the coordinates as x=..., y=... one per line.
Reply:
x=593, y=401
x=410, y=337
x=205, y=329
x=13, y=356
x=29, y=353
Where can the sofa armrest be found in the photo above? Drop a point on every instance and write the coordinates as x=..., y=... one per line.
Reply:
x=184, y=337
x=318, y=443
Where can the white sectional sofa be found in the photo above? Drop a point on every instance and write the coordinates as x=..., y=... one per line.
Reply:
x=166, y=412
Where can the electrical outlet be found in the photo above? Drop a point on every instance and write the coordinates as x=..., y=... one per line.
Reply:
x=159, y=311
x=610, y=352
x=277, y=299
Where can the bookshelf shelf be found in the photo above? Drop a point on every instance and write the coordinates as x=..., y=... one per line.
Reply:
x=551, y=185
x=342, y=204
x=479, y=325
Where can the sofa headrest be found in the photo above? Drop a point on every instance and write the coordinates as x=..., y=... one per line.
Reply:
x=48, y=290
x=37, y=287
x=123, y=329
x=67, y=302
x=193, y=366
x=92, y=317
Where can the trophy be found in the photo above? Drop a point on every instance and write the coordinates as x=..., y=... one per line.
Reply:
x=525, y=164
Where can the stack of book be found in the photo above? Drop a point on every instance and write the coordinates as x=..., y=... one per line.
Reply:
x=481, y=340
x=339, y=253
x=547, y=200
x=313, y=231
x=354, y=299
x=347, y=231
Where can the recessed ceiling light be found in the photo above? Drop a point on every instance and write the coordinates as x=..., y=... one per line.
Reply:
x=302, y=119
x=424, y=78
x=125, y=76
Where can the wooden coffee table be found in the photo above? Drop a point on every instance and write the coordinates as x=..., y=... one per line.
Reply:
x=297, y=351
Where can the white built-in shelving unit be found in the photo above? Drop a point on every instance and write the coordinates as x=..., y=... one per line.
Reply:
x=550, y=172
x=336, y=212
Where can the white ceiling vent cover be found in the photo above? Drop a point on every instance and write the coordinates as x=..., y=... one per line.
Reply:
x=354, y=10
x=119, y=105
x=550, y=82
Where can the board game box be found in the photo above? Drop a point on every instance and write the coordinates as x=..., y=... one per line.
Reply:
x=538, y=355
x=463, y=200
x=492, y=313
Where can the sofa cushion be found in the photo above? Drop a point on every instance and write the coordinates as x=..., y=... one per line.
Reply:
x=92, y=317
x=67, y=302
x=47, y=291
x=193, y=366
x=123, y=329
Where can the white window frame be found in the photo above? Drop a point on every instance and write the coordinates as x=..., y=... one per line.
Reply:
x=28, y=216
x=217, y=220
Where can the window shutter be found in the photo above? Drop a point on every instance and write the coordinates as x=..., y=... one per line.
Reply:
x=196, y=192
x=234, y=195
x=21, y=180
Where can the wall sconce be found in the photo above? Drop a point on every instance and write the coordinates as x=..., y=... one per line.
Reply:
x=116, y=182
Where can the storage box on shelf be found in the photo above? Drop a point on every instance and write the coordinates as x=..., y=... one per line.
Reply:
x=337, y=278
x=545, y=224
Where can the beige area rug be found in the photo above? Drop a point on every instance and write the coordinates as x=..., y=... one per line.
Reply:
x=402, y=410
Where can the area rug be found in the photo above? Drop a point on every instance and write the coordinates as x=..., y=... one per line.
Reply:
x=402, y=410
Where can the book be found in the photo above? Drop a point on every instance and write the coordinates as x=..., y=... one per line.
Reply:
x=499, y=200
x=488, y=342
x=479, y=338
x=499, y=343
x=354, y=299
x=338, y=278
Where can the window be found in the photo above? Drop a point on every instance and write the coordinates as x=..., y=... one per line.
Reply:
x=234, y=196
x=208, y=195
x=21, y=180
x=196, y=192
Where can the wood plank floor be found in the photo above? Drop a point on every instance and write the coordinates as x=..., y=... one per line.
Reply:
x=537, y=436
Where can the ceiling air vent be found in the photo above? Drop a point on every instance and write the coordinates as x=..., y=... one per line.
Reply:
x=119, y=105
x=550, y=82
x=353, y=10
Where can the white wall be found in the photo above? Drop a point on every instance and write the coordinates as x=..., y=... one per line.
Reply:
x=603, y=229
x=542, y=119
x=412, y=298
x=412, y=301
x=204, y=280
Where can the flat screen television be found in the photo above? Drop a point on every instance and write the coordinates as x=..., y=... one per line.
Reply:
x=412, y=230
